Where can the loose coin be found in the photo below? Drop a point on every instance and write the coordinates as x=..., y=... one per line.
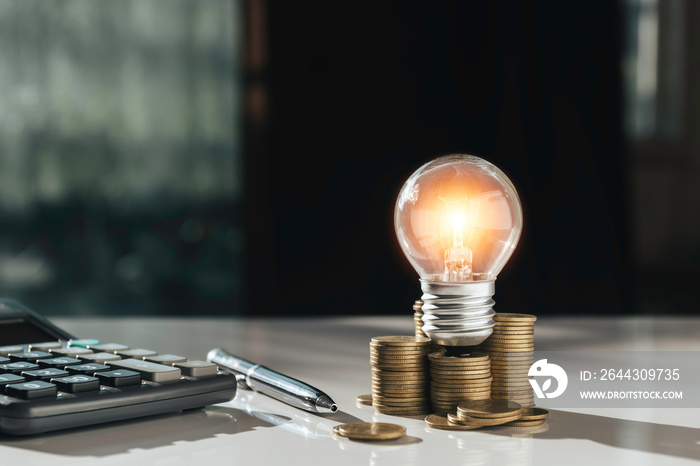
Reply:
x=364, y=400
x=489, y=408
x=371, y=431
x=437, y=421
x=534, y=414
x=465, y=420
x=520, y=423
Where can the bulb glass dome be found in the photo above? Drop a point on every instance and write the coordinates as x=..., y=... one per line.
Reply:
x=458, y=219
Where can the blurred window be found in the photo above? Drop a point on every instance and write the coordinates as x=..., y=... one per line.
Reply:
x=120, y=155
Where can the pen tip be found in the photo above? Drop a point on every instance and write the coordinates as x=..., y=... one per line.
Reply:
x=324, y=404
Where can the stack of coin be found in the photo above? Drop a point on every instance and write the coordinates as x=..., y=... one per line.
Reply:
x=418, y=318
x=457, y=379
x=511, y=347
x=400, y=375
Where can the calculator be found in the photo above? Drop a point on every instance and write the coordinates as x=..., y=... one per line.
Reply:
x=51, y=381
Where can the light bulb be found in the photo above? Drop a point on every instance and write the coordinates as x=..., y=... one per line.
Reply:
x=458, y=220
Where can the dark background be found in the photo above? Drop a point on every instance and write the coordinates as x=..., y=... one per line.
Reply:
x=360, y=96
x=243, y=157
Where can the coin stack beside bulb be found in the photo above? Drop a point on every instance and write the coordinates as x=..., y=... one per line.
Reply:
x=400, y=375
x=511, y=347
x=418, y=318
x=458, y=379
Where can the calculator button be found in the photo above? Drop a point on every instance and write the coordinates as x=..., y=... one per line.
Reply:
x=119, y=378
x=10, y=378
x=137, y=353
x=59, y=363
x=87, y=369
x=45, y=346
x=4, y=360
x=5, y=350
x=31, y=390
x=100, y=358
x=109, y=347
x=167, y=359
x=77, y=383
x=199, y=369
x=17, y=367
x=84, y=343
x=44, y=374
x=29, y=356
x=71, y=351
x=149, y=370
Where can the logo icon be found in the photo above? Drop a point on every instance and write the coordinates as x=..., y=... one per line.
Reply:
x=543, y=369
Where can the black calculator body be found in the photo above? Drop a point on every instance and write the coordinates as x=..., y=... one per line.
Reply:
x=50, y=380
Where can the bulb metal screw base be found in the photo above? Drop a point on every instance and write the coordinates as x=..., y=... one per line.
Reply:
x=458, y=314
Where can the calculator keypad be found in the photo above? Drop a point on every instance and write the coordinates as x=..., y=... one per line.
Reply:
x=43, y=370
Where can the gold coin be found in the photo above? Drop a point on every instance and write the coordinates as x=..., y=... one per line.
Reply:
x=439, y=356
x=364, y=400
x=534, y=414
x=507, y=346
x=399, y=362
x=397, y=354
x=509, y=341
x=401, y=340
x=458, y=389
x=402, y=362
x=371, y=431
x=513, y=317
x=389, y=376
x=399, y=399
x=489, y=408
x=524, y=423
x=508, y=332
x=398, y=368
x=437, y=421
x=521, y=392
x=424, y=349
x=400, y=385
x=450, y=384
x=399, y=388
x=399, y=393
x=401, y=411
x=460, y=398
x=459, y=379
x=517, y=324
x=484, y=422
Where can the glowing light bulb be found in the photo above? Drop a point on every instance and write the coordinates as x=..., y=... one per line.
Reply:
x=458, y=220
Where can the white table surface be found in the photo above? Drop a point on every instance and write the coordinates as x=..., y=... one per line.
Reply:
x=332, y=354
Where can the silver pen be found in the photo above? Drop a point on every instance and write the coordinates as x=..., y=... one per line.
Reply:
x=279, y=386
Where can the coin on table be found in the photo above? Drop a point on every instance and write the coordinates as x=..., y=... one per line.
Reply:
x=371, y=431
x=484, y=422
x=520, y=423
x=364, y=400
x=437, y=421
x=489, y=408
x=534, y=414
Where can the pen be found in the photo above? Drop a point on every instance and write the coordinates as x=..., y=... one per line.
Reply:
x=279, y=386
